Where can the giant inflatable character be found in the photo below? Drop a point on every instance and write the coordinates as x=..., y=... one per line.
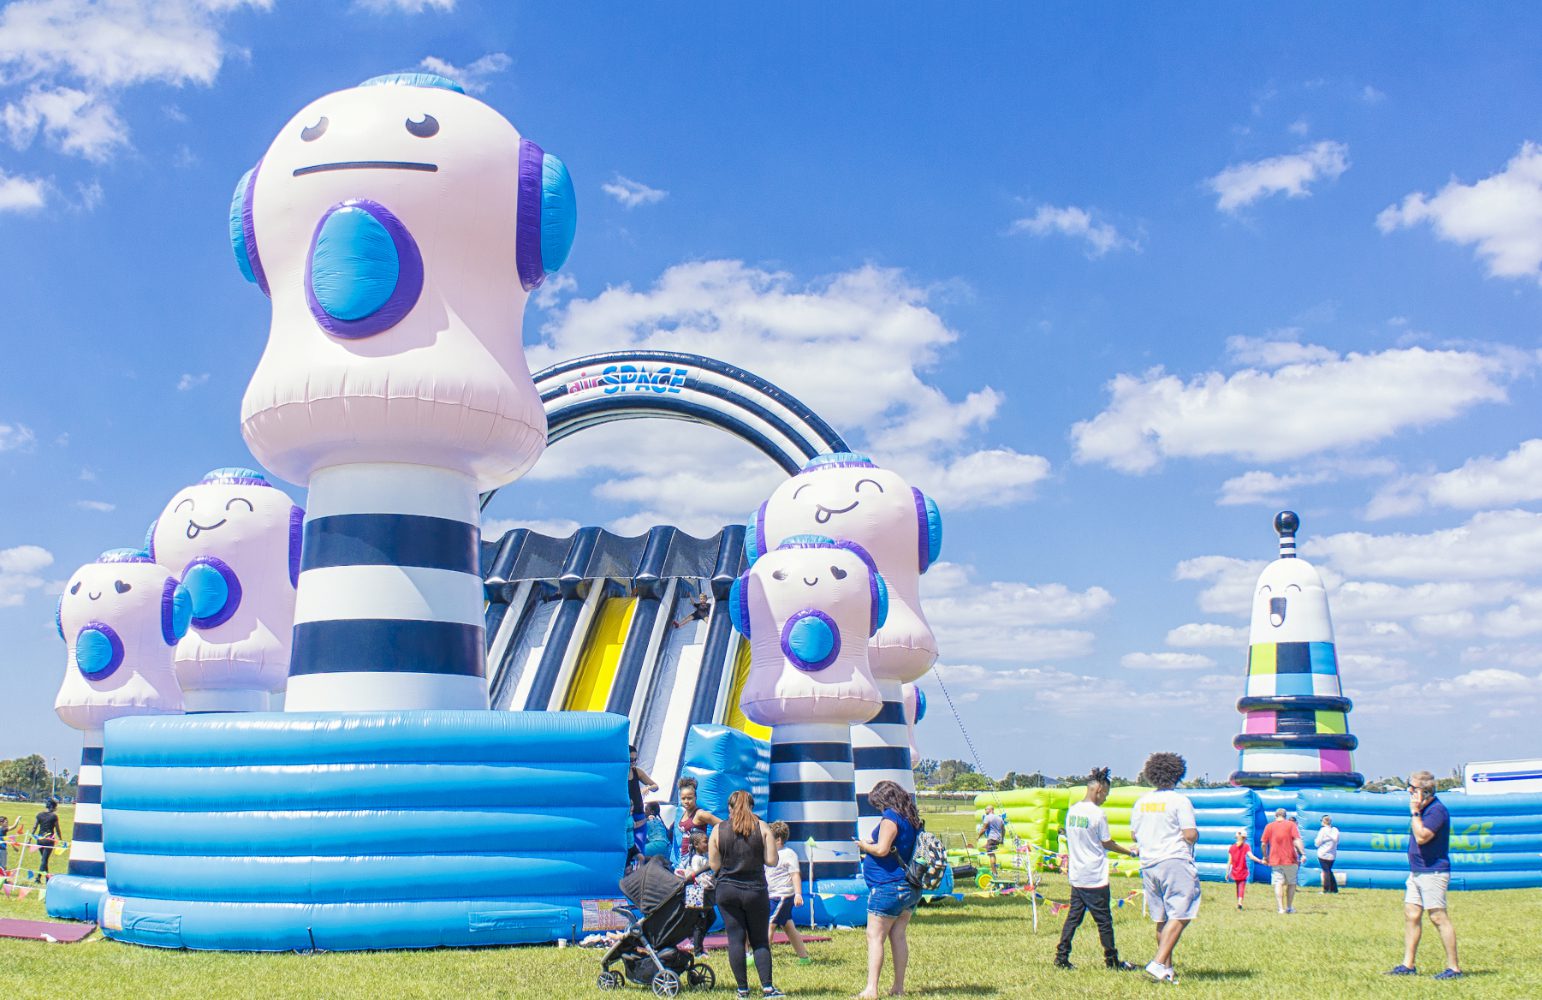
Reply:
x=120, y=618
x=398, y=227
x=1295, y=729
x=234, y=539
x=844, y=495
x=808, y=608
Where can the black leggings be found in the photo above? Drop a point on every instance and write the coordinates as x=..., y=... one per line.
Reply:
x=746, y=913
x=1329, y=882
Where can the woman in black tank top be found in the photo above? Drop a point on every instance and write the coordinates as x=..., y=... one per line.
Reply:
x=739, y=851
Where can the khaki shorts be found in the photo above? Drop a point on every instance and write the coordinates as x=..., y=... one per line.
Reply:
x=1172, y=890
x=1284, y=875
x=1427, y=890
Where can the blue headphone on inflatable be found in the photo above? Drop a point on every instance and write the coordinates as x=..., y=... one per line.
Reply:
x=928, y=517
x=364, y=240
x=811, y=642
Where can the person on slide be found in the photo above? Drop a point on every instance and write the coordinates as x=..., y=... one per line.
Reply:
x=1162, y=822
x=1088, y=843
x=701, y=607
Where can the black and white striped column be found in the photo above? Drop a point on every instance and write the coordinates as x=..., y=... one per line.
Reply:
x=880, y=750
x=388, y=610
x=812, y=791
x=87, y=859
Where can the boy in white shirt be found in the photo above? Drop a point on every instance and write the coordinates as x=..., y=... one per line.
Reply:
x=785, y=881
x=1162, y=823
x=1087, y=845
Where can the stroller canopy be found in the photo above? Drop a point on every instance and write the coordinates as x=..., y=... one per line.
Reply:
x=651, y=884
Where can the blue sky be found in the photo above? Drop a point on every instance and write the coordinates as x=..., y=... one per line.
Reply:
x=1113, y=286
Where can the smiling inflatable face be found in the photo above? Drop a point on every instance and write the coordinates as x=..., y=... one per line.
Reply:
x=119, y=618
x=1290, y=605
x=810, y=609
x=396, y=227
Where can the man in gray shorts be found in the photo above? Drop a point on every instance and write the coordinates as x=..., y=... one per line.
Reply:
x=1429, y=875
x=1162, y=823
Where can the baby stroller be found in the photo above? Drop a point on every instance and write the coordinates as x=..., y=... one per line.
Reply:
x=659, y=921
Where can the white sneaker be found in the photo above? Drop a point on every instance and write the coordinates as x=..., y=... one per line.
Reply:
x=1161, y=973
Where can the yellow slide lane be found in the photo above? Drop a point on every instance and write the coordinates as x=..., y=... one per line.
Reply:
x=736, y=718
x=602, y=654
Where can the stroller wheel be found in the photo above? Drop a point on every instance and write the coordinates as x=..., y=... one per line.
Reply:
x=700, y=977
x=609, y=980
x=666, y=984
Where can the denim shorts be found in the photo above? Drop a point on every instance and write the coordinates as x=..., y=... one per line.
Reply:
x=892, y=899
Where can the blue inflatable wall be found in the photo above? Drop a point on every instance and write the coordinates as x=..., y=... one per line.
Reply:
x=1496, y=840
x=338, y=831
x=724, y=760
x=1219, y=813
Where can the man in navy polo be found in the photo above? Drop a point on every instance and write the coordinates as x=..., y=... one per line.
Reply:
x=1429, y=875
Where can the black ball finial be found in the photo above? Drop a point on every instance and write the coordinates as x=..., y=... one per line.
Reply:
x=1286, y=523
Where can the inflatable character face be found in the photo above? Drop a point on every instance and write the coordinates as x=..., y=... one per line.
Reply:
x=234, y=539
x=119, y=618
x=846, y=496
x=1290, y=604
x=397, y=227
x=808, y=609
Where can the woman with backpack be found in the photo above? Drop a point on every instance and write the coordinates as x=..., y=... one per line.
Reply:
x=891, y=898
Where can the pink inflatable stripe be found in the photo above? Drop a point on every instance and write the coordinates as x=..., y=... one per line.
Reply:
x=1259, y=722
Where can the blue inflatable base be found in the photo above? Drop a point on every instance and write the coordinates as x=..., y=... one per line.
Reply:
x=838, y=901
x=74, y=897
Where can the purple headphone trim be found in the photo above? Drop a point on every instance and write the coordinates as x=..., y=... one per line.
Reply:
x=249, y=230
x=527, y=223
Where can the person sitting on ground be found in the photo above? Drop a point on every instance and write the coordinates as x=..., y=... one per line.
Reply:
x=994, y=829
x=1239, y=855
x=45, y=830
x=701, y=607
x=1327, y=844
x=1162, y=823
x=656, y=842
x=1283, y=848
x=785, y=880
x=1087, y=843
x=1429, y=876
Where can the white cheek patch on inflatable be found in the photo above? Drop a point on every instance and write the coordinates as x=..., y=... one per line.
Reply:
x=808, y=609
x=397, y=226
x=234, y=540
x=120, y=618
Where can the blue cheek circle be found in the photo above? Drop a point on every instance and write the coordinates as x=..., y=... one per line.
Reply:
x=214, y=589
x=98, y=651
x=811, y=640
x=364, y=273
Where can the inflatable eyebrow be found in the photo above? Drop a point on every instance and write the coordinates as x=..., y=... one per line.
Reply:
x=398, y=227
x=120, y=618
x=845, y=495
x=808, y=609
x=234, y=539
x=1296, y=718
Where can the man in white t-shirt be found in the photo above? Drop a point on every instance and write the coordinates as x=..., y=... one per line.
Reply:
x=1162, y=823
x=1087, y=844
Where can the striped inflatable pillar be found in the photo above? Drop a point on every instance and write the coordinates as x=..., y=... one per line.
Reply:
x=87, y=858
x=880, y=751
x=388, y=611
x=813, y=792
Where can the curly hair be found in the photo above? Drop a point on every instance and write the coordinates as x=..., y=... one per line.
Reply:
x=1099, y=776
x=781, y=831
x=1164, y=770
x=889, y=795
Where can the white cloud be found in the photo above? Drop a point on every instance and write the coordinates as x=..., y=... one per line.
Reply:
x=1207, y=634
x=632, y=193
x=996, y=621
x=1230, y=582
x=1241, y=184
x=858, y=348
x=1479, y=482
x=1370, y=95
x=1491, y=680
x=19, y=569
x=1491, y=545
x=1069, y=220
x=1500, y=216
x=1276, y=350
x=99, y=506
x=1299, y=127
x=191, y=381
x=554, y=288
x=1356, y=668
x=1165, y=661
x=73, y=120
x=1372, y=600
x=476, y=75
x=1258, y=486
x=77, y=56
x=16, y=437
x=21, y=194
x=497, y=527
x=1298, y=409
x=404, y=6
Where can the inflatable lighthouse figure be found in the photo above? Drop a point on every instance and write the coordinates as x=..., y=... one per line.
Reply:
x=847, y=496
x=1295, y=730
x=120, y=618
x=398, y=227
x=808, y=608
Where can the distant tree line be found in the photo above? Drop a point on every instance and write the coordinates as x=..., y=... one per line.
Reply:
x=962, y=776
x=29, y=777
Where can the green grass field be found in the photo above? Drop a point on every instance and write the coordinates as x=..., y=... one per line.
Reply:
x=982, y=947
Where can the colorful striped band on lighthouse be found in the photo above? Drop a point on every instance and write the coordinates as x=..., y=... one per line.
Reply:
x=1295, y=731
